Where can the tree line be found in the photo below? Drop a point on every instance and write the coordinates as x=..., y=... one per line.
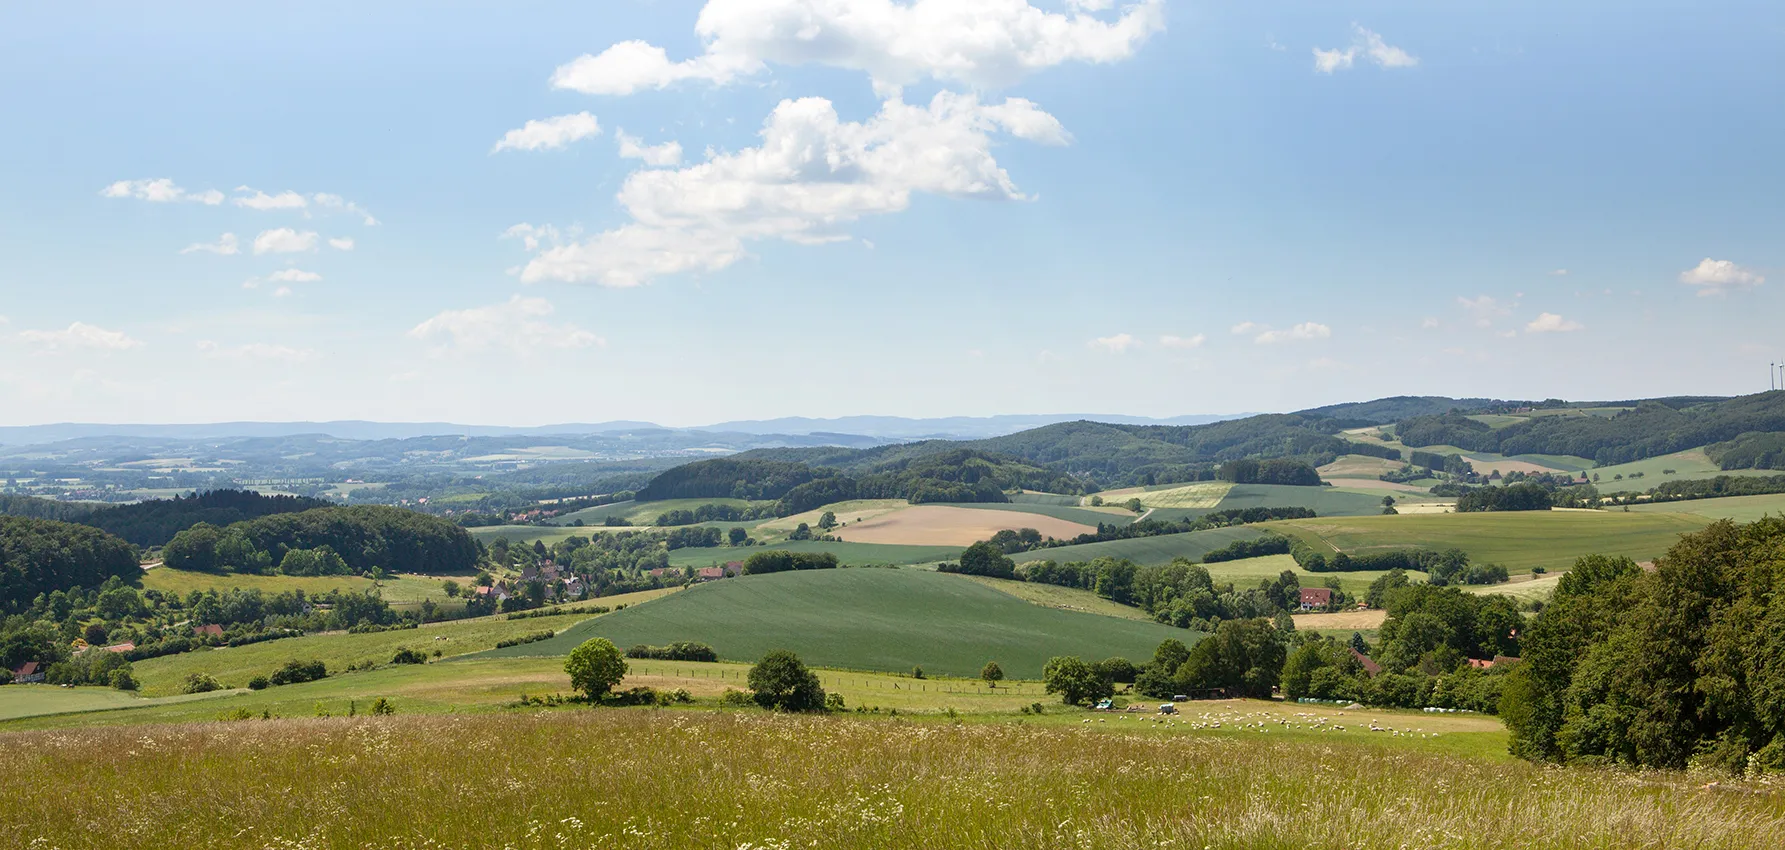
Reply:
x=365, y=538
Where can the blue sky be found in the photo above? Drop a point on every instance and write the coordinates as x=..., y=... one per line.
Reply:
x=952, y=207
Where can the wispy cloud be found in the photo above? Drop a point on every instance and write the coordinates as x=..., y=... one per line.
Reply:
x=225, y=245
x=1366, y=44
x=1552, y=323
x=1116, y=344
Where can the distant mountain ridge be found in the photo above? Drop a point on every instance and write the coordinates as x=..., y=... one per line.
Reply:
x=882, y=428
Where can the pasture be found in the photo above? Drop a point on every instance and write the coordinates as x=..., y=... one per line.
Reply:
x=234, y=666
x=1203, y=495
x=1162, y=549
x=17, y=701
x=939, y=525
x=1276, y=778
x=1738, y=508
x=867, y=619
x=1063, y=598
x=1325, y=501
x=1248, y=572
x=1643, y=475
x=1082, y=515
x=1517, y=540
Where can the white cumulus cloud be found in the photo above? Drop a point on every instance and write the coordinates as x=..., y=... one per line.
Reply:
x=1170, y=341
x=1366, y=44
x=284, y=240
x=1116, y=344
x=1552, y=323
x=519, y=325
x=632, y=147
x=344, y=243
x=978, y=43
x=225, y=245
x=1303, y=331
x=553, y=133
x=812, y=175
x=1720, y=277
x=263, y=202
x=160, y=190
x=80, y=335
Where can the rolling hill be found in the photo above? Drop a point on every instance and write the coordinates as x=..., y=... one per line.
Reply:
x=868, y=619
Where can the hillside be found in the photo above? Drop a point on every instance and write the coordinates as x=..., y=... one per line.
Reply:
x=1646, y=429
x=41, y=556
x=868, y=619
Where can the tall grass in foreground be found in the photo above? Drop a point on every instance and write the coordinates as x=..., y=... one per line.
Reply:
x=654, y=779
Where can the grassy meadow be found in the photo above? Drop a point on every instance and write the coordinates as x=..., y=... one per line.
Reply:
x=1517, y=540
x=1691, y=465
x=850, y=554
x=868, y=619
x=1738, y=508
x=744, y=779
x=1083, y=515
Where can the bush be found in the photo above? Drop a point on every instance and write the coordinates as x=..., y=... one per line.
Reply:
x=734, y=698
x=295, y=672
x=1074, y=680
x=382, y=706
x=123, y=680
x=525, y=639
x=200, y=683
x=258, y=683
x=781, y=681
x=678, y=651
x=778, y=561
x=405, y=655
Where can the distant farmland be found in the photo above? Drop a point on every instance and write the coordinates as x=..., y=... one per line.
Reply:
x=1520, y=540
x=868, y=619
x=1148, y=550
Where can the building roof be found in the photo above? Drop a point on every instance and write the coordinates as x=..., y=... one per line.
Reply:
x=28, y=668
x=1317, y=595
x=212, y=629
x=121, y=647
x=1370, y=667
x=712, y=572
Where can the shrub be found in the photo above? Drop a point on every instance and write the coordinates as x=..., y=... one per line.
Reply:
x=298, y=671
x=405, y=655
x=122, y=680
x=781, y=681
x=734, y=698
x=525, y=639
x=258, y=683
x=200, y=683
x=678, y=651
x=595, y=667
x=383, y=706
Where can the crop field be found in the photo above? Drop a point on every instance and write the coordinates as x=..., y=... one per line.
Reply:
x=1341, y=621
x=1517, y=540
x=1082, y=515
x=849, y=554
x=1358, y=466
x=868, y=619
x=847, y=512
x=643, y=778
x=1063, y=598
x=18, y=701
x=1325, y=501
x=234, y=666
x=1031, y=497
x=1488, y=465
x=1525, y=588
x=1203, y=495
x=937, y=525
x=1738, y=508
x=1148, y=550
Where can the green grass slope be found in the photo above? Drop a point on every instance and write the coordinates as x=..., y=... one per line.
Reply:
x=1325, y=501
x=1738, y=508
x=1519, y=540
x=868, y=619
x=1084, y=516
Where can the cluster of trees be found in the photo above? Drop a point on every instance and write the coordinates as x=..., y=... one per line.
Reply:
x=716, y=513
x=677, y=651
x=1649, y=429
x=727, y=478
x=1529, y=496
x=780, y=561
x=1436, y=463
x=366, y=538
x=42, y=556
x=1275, y=471
x=1181, y=593
x=1449, y=566
x=1722, y=485
x=1754, y=450
x=156, y=521
x=1671, y=668
x=690, y=537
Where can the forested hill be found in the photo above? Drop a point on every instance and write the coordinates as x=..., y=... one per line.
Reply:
x=357, y=539
x=951, y=475
x=155, y=522
x=1648, y=429
x=1105, y=455
x=39, y=556
x=1385, y=410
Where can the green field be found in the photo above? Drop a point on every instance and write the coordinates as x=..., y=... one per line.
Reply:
x=1248, y=572
x=1325, y=501
x=399, y=590
x=1147, y=550
x=1738, y=508
x=1064, y=598
x=1690, y=465
x=234, y=666
x=1033, y=498
x=1270, y=777
x=850, y=554
x=1203, y=495
x=868, y=619
x=1517, y=540
x=1084, y=516
x=18, y=701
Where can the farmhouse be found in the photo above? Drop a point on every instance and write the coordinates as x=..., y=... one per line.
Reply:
x=734, y=568
x=121, y=647
x=1316, y=597
x=212, y=630
x=711, y=573
x=28, y=673
x=1370, y=666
